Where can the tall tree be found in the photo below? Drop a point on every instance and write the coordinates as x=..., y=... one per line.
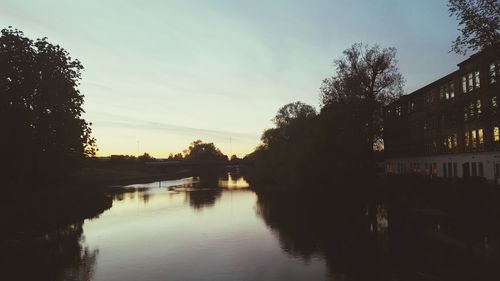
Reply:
x=40, y=109
x=367, y=78
x=479, y=22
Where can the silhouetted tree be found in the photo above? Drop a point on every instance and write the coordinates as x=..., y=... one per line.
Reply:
x=293, y=111
x=479, y=22
x=44, y=135
x=288, y=150
x=200, y=151
x=367, y=78
x=145, y=157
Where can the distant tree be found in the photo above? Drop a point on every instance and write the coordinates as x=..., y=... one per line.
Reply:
x=200, y=151
x=479, y=22
x=44, y=135
x=367, y=78
x=145, y=157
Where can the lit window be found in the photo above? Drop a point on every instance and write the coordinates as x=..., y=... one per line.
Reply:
x=452, y=90
x=471, y=110
x=480, y=136
x=455, y=141
x=470, y=82
x=494, y=72
x=473, y=138
x=478, y=106
x=450, y=143
x=494, y=102
x=477, y=80
x=467, y=140
x=496, y=134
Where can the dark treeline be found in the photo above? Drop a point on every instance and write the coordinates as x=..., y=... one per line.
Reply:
x=344, y=139
x=45, y=136
x=196, y=151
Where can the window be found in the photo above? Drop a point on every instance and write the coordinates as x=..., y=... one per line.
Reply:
x=471, y=81
x=478, y=107
x=477, y=80
x=494, y=72
x=398, y=110
x=446, y=91
x=467, y=140
x=480, y=137
x=494, y=102
x=473, y=139
x=429, y=98
x=465, y=170
x=496, y=134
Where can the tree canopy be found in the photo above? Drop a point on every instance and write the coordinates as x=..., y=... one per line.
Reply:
x=304, y=146
x=479, y=24
x=200, y=151
x=293, y=111
x=366, y=79
x=40, y=109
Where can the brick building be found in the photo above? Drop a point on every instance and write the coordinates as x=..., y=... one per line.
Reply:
x=451, y=127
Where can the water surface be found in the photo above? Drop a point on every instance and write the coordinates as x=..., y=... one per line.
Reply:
x=178, y=230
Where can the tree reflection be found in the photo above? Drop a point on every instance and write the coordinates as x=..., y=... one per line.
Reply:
x=204, y=192
x=58, y=255
x=309, y=225
x=199, y=199
x=370, y=240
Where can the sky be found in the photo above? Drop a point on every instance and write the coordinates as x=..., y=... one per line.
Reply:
x=160, y=74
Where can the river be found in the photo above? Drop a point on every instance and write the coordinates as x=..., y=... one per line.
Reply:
x=215, y=227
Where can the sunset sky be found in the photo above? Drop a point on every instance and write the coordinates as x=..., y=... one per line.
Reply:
x=160, y=74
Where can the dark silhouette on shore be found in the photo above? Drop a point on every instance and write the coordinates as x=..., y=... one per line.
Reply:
x=343, y=139
x=40, y=111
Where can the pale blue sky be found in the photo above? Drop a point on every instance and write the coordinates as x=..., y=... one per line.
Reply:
x=164, y=73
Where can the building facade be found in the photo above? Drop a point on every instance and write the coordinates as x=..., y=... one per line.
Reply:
x=451, y=127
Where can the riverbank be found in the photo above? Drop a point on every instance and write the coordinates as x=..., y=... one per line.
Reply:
x=35, y=210
x=110, y=177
